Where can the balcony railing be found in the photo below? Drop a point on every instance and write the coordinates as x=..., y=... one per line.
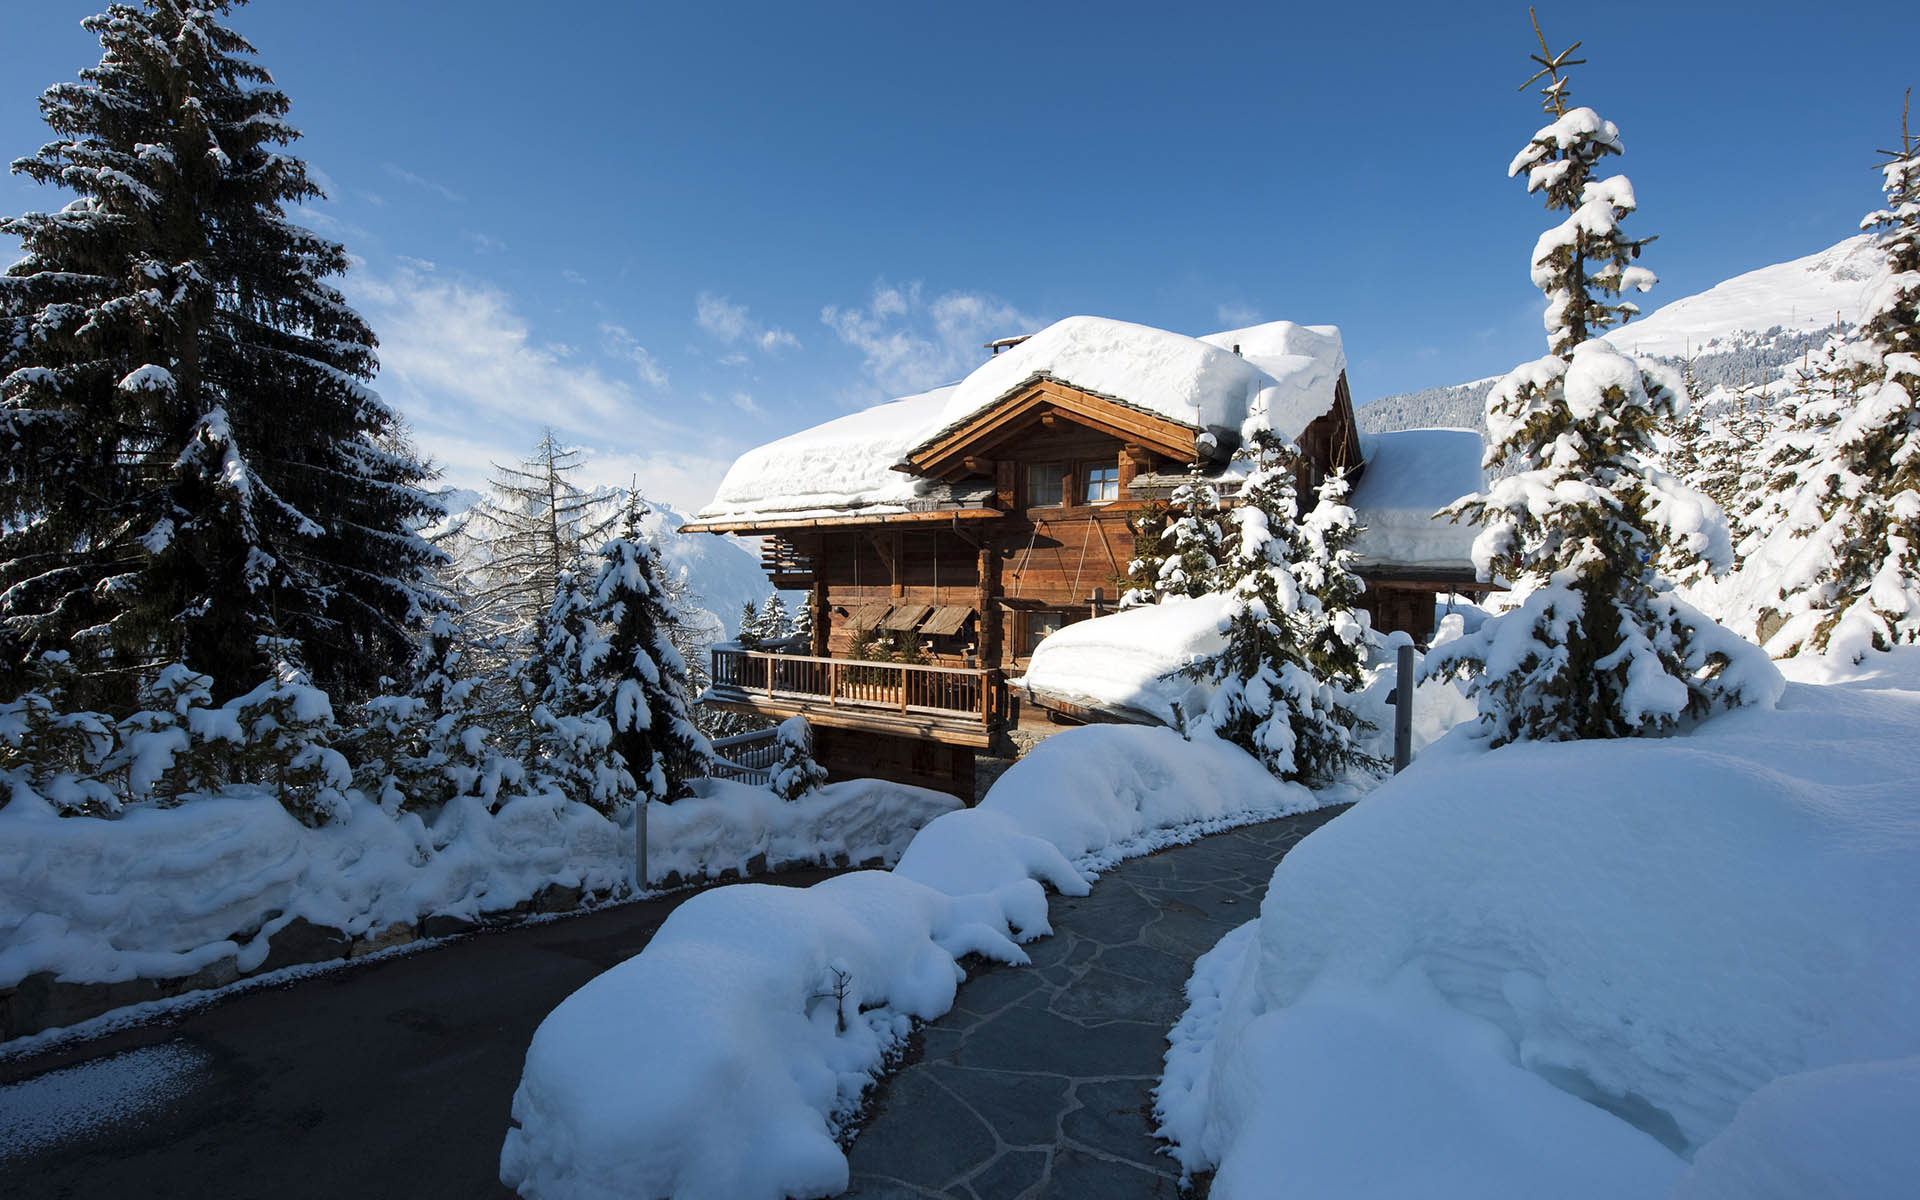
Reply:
x=747, y=757
x=979, y=695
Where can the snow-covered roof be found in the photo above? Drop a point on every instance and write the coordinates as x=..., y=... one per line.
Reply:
x=1410, y=476
x=1282, y=379
x=1128, y=663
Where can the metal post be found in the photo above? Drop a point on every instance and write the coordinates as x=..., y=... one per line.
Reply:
x=1403, y=682
x=640, y=845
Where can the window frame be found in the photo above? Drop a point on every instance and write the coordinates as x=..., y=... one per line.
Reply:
x=1098, y=472
x=1059, y=499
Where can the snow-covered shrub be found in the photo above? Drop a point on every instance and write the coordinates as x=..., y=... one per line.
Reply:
x=795, y=773
x=281, y=735
x=1193, y=543
x=51, y=752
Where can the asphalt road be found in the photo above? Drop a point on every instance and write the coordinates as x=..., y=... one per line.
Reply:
x=388, y=1078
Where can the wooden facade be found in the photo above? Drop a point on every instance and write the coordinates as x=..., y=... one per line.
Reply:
x=973, y=587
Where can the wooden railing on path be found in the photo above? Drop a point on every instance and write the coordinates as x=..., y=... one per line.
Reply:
x=747, y=757
x=906, y=688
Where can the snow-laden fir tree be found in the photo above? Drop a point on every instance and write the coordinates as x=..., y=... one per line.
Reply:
x=794, y=772
x=638, y=679
x=1193, y=543
x=1271, y=696
x=1842, y=564
x=190, y=458
x=1598, y=647
x=1335, y=631
x=776, y=623
x=1148, y=524
x=751, y=633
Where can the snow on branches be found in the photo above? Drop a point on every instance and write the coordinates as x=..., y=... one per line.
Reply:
x=1839, y=570
x=1599, y=646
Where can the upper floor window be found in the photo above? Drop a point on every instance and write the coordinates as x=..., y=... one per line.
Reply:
x=1046, y=485
x=1103, y=484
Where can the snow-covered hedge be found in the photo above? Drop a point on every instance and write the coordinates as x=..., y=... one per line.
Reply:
x=1564, y=969
x=722, y=1060
x=162, y=892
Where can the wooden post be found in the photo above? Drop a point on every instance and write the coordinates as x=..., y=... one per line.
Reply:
x=1403, y=709
x=769, y=661
x=986, y=603
x=822, y=610
x=903, y=687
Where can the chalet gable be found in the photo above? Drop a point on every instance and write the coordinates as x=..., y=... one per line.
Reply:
x=1041, y=401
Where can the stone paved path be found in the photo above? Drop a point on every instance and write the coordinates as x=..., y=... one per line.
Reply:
x=1039, y=1082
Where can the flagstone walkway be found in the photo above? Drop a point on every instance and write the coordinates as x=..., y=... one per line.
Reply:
x=1039, y=1082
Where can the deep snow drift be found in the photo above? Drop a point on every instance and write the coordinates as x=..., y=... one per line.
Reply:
x=1567, y=969
x=722, y=1060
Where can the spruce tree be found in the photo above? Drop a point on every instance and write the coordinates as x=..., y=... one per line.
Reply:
x=795, y=772
x=1597, y=647
x=1193, y=543
x=1281, y=681
x=750, y=635
x=775, y=623
x=639, y=680
x=1148, y=526
x=1844, y=559
x=192, y=460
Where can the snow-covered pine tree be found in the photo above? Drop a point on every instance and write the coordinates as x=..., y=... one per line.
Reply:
x=1148, y=524
x=190, y=458
x=1597, y=647
x=639, y=680
x=50, y=750
x=1268, y=697
x=775, y=622
x=750, y=635
x=1193, y=543
x=571, y=733
x=1335, y=630
x=1845, y=555
x=794, y=772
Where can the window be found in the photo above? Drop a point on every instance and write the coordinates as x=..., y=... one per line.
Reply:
x=1046, y=485
x=1040, y=624
x=1103, y=484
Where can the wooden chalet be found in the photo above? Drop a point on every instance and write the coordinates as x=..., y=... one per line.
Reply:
x=943, y=536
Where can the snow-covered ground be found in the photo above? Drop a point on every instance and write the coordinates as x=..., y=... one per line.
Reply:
x=724, y=1059
x=1680, y=967
x=164, y=892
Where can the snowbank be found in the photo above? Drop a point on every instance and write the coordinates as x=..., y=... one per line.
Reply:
x=162, y=892
x=723, y=1060
x=1123, y=661
x=1283, y=378
x=1410, y=476
x=1608, y=949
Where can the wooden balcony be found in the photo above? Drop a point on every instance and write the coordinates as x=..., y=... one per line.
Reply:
x=956, y=705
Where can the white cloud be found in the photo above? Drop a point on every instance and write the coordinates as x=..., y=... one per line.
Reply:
x=573, y=276
x=730, y=323
x=909, y=343
x=482, y=244
x=478, y=384
x=420, y=181
x=736, y=359
x=1237, y=316
x=621, y=344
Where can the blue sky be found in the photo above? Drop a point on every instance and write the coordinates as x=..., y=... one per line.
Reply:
x=676, y=231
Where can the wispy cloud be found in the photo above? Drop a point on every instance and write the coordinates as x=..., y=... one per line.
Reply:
x=420, y=181
x=464, y=366
x=574, y=277
x=483, y=244
x=909, y=343
x=621, y=344
x=731, y=323
x=1237, y=316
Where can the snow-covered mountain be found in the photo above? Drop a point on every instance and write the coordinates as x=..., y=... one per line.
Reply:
x=1746, y=329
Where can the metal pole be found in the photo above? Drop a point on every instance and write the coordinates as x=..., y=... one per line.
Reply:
x=1403, y=682
x=640, y=844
